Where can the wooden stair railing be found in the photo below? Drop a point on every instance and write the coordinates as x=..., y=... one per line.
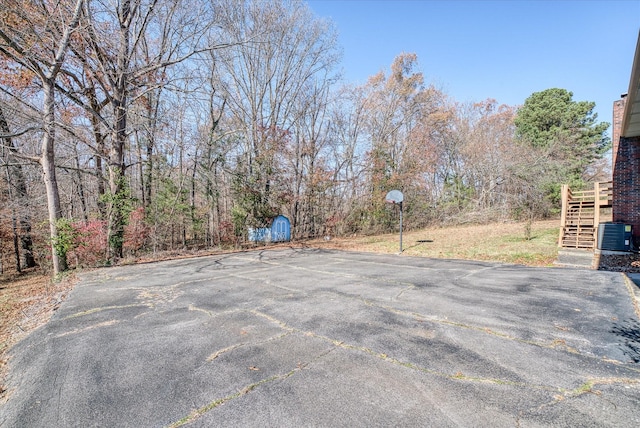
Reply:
x=580, y=215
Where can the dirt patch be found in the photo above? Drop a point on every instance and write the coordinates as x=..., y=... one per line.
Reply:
x=27, y=301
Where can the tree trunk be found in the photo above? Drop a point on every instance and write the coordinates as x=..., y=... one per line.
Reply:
x=150, y=143
x=148, y=176
x=47, y=161
x=141, y=172
x=99, y=137
x=116, y=206
x=16, y=247
x=118, y=201
x=16, y=174
x=192, y=199
x=102, y=206
x=80, y=188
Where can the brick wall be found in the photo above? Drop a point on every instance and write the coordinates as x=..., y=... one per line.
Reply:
x=618, y=112
x=626, y=183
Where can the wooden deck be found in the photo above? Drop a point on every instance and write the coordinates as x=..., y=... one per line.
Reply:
x=581, y=214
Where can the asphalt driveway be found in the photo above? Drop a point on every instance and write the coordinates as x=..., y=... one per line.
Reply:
x=303, y=337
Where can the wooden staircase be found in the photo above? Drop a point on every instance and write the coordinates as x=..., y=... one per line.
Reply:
x=581, y=215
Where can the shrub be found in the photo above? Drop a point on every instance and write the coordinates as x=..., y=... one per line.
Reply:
x=136, y=232
x=90, y=243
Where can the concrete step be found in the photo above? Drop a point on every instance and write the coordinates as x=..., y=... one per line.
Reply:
x=574, y=257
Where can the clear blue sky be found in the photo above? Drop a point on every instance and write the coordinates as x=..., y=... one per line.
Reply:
x=506, y=50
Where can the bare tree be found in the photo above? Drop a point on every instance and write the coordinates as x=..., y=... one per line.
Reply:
x=17, y=189
x=394, y=106
x=262, y=80
x=125, y=54
x=307, y=168
x=36, y=37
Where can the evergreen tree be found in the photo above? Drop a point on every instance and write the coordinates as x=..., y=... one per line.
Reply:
x=568, y=130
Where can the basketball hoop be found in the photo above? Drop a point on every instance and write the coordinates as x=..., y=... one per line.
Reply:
x=396, y=197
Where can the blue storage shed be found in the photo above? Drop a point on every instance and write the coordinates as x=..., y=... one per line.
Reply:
x=280, y=229
x=260, y=234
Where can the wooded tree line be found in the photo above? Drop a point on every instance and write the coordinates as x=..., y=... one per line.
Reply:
x=129, y=126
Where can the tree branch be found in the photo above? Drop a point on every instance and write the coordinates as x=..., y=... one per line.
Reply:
x=19, y=133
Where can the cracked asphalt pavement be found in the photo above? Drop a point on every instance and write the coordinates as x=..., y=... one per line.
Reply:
x=305, y=337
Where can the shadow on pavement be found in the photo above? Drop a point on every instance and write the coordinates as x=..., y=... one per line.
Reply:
x=629, y=331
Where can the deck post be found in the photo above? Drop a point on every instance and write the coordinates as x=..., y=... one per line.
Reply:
x=596, y=213
x=563, y=212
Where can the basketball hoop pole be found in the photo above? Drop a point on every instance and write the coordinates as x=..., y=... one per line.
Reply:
x=400, y=203
x=396, y=197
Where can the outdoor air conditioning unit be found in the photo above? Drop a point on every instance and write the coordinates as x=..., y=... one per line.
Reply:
x=614, y=237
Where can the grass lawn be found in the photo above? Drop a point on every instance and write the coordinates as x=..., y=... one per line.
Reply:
x=502, y=242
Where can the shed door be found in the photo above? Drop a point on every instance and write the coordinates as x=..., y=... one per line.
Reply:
x=281, y=229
